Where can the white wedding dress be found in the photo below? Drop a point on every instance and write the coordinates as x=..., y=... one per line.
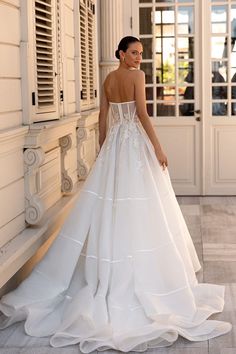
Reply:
x=121, y=273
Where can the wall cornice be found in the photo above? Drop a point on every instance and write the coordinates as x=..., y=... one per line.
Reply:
x=45, y=132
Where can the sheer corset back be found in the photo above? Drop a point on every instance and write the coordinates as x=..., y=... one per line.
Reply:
x=123, y=112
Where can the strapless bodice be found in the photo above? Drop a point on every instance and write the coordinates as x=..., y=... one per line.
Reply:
x=123, y=112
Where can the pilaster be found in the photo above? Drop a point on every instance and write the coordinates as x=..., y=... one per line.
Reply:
x=111, y=34
x=88, y=146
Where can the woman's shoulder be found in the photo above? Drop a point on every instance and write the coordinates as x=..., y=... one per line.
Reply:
x=113, y=72
x=134, y=74
x=139, y=76
x=140, y=72
x=109, y=76
x=133, y=71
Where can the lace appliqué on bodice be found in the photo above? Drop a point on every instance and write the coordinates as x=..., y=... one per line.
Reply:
x=123, y=112
x=124, y=118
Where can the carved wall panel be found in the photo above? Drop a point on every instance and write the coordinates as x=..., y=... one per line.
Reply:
x=88, y=147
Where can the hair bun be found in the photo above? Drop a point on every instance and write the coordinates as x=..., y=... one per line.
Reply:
x=117, y=54
x=124, y=44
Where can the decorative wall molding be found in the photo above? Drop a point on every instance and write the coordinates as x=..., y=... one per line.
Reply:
x=83, y=167
x=67, y=182
x=45, y=132
x=50, y=165
x=33, y=158
x=87, y=136
x=34, y=206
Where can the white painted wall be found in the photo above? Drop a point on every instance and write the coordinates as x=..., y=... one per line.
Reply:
x=12, y=220
x=38, y=161
x=10, y=81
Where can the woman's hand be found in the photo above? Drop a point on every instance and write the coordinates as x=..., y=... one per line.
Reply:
x=161, y=157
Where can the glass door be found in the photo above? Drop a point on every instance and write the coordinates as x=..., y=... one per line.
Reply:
x=170, y=71
x=220, y=121
x=190, y=64
x=171, y=61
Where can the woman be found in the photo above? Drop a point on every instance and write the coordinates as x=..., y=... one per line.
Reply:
x=121, y=273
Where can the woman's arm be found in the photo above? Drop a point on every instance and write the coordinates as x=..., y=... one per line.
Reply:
x=140, y=98
x=104, y=106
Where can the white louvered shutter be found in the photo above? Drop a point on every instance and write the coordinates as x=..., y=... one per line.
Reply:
x=59, y=58
x=91, y=52
x=87, y=54
x=47, y=91
x=83, y=51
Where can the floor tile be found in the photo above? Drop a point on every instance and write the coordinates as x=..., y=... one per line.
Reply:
x=42, y=350
x=192, y=220
x=213, y=200
x=190, y=209
x=184, y=343
x=231, y=200
x=217, y=210
x=6, y=334
x=224, y=252
x=199, y=274
x=219, y=272
x=179, y=351
x=219, y=234
x=15, y=336
x=216, y=345
x=169, y=350
x=187, y=200
x=198, y=247
x=211, y=221
x=195, y=232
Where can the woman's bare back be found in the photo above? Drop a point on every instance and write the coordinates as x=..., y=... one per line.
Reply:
x=119, y=85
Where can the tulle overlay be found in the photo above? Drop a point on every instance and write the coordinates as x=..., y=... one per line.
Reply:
x=121, y=273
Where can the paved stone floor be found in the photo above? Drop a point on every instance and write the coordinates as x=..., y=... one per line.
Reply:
x=212, y=224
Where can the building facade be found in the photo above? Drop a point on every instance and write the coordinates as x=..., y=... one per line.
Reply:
x=49, y=105
x=54, y=56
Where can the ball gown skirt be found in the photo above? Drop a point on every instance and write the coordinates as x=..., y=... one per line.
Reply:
x=121, y=272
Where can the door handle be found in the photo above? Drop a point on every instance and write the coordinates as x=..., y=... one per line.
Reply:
x=198, y=119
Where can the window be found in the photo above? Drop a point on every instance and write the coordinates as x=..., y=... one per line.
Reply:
x=46, y=93
x=88, y=92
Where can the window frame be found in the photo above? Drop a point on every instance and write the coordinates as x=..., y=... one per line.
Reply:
x=88, y=103
x=31, y=112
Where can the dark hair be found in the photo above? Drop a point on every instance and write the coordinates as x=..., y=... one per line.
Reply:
x=124, y=44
